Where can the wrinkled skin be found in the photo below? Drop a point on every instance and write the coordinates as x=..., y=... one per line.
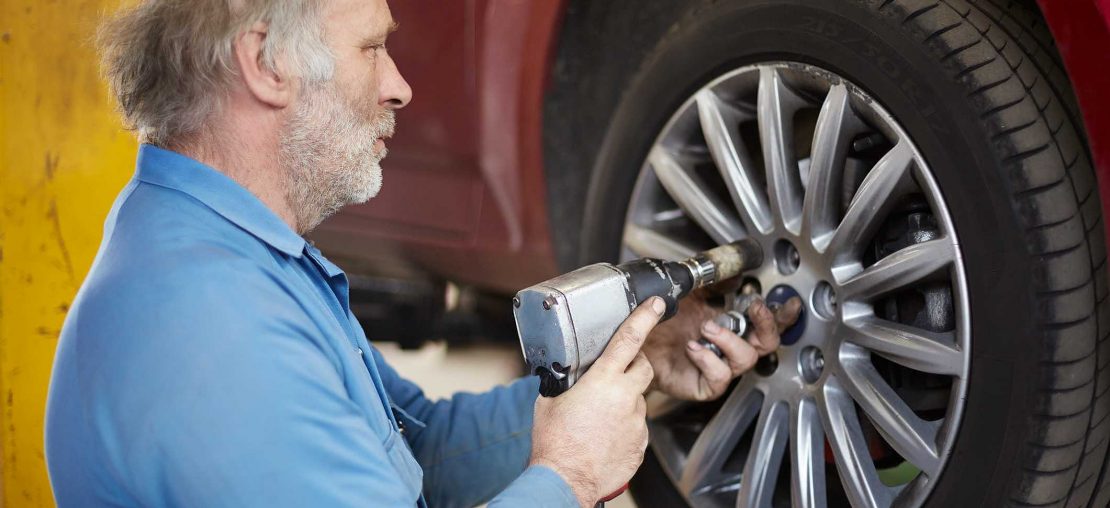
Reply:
x=687, y=370
x=595, y=434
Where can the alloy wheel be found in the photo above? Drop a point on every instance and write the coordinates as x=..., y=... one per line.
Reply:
x=861, y=405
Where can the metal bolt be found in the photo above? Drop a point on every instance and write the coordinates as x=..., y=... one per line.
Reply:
x=516, y=302
x=813, y=363
x=866, y=142
x=549, y=302
x=787, y=258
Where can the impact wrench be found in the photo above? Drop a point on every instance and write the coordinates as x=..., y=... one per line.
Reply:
x=566, y=322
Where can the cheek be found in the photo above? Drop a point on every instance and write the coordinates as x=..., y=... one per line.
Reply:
x=364, y=90
x=358, y=78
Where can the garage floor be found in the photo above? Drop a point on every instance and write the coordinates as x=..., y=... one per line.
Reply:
x=443, y=370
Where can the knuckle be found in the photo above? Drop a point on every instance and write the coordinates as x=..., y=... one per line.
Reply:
x=620, y=343
x=628, y=337
x=722, y=377
x=747, y=360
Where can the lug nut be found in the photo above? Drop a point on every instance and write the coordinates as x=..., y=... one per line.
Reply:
x=812, y=364
x=787, y=258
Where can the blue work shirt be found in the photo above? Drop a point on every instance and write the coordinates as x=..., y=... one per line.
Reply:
x=211, y=359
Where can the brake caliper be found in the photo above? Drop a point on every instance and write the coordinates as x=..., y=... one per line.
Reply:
x=928, y=305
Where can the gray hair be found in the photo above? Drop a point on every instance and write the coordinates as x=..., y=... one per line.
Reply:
x=169, y=62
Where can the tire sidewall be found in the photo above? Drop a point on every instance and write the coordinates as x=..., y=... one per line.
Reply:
x=858, y=43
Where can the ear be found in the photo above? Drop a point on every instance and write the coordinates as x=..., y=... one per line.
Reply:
x=269, y=86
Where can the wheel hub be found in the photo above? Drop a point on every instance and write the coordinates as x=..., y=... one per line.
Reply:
x=777, y=297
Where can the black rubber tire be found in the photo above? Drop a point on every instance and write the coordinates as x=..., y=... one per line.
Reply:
x=979, y=88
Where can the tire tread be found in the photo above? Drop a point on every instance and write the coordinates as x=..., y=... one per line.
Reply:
x=1035, y=119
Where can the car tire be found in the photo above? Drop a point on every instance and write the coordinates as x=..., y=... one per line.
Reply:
x=980, y=89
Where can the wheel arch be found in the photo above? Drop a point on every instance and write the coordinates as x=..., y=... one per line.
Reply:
x=1081, y=33
x=600, y=47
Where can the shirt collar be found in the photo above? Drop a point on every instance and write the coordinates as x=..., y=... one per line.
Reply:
x=220, y=193
x=331, y=269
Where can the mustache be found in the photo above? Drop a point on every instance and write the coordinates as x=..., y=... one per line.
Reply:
x=384, y=124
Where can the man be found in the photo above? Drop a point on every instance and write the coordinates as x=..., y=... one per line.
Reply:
x=211, y=358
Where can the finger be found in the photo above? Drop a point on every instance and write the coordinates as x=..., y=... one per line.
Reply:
x=765, y=335
x=640, y=372
x=629, y=338
x=542, y=407
x=739, y=354
x=714, y=371
x=787, y=315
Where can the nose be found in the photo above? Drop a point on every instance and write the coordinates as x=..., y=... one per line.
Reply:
x=395, y=92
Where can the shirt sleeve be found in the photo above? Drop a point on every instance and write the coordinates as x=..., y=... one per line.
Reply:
x=476, y=446
x=231, y=400
x=538, y=486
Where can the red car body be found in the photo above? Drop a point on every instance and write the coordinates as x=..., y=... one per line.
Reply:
x=464, y=196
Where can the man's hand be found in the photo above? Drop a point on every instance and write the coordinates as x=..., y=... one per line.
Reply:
x=687, y=370
x=594, y=435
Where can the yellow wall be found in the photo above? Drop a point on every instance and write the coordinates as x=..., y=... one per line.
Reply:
x=63, y=157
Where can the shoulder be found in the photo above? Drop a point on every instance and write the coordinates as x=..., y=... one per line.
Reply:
x=171, y=266
x=159, y=223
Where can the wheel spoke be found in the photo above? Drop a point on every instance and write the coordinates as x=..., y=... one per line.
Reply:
x=853, y=459
x=757, y=484
x=661, y=410
x=666, y=449
x=719, y=125
x=896, y=271
x=912, y=437
x=935, y=353
x=836, y=405
x=775, y=107
x=691, y=194
x=836, y=125
x=719, y=438
x=874, y=199
x=647, y=242
x=807, y=456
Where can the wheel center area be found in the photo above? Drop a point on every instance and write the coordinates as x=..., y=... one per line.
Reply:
x=777, y=297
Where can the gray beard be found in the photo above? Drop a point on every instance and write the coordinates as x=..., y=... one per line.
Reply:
x=327, y=152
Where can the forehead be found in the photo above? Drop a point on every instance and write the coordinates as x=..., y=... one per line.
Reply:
x=358, y=17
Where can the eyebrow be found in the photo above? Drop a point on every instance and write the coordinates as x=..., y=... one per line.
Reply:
x=378, y=38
